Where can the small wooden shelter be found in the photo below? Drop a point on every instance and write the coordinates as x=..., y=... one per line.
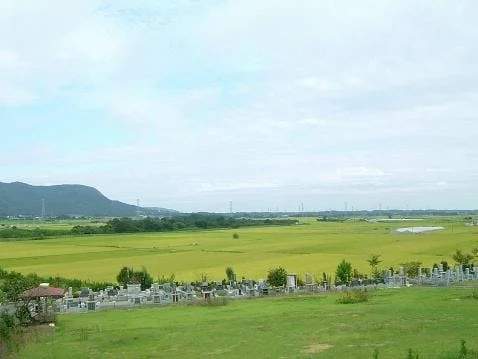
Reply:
x=40, y=302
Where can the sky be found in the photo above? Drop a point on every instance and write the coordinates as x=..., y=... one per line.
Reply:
x=268, y=104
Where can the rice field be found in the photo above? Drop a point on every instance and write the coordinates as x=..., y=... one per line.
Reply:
x=310, y=246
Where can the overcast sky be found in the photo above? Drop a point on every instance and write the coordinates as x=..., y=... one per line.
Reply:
x=190, y=104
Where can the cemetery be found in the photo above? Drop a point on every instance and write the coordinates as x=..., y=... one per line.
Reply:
x=430, y=320
x=132, y=296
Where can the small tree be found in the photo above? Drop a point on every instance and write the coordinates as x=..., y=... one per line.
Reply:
x=277, y=277
x=445, y=265
x=343, y=273
x=124, y=276
x=230, y=274
x=374, y=261
x=143, y=278
x=461, y=258
x=12, y=286
x=235, y=235
x=411, y=268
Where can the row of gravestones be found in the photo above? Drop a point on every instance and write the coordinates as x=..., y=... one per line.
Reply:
x=434, y=276
x=170, y=293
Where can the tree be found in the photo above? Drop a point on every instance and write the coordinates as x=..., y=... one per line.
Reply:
x=374, y=261
x=411, y=268
x=445, y=265
x=461, y=258
x=13, y=285
x=124, y=276
x=230, y=274
x=277, y=277
x=343, y=273
x=142, y=277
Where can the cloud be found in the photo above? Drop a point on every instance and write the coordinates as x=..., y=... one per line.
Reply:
x=95, y=41
x=196, y=103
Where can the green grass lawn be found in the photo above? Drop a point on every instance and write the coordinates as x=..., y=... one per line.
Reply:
x=311, y=246
x=431, y=321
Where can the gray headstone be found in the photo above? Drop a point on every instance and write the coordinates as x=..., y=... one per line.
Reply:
x=308, y=279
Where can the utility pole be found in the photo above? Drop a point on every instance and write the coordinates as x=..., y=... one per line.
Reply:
x=43, y=208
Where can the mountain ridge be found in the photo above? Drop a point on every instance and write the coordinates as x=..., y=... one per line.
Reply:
x=18, y=198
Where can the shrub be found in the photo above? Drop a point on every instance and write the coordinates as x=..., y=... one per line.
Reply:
x=375, y=353
x=8, y=326
x=411, y=355
x=463, y=353
x=277, y=277
x=163, y=279
x=354, y=296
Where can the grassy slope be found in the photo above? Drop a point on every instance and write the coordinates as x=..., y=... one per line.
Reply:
x=312, y=247
x=431, y=321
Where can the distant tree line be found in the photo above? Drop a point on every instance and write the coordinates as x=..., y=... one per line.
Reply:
x=195, y=221
x=176, y=223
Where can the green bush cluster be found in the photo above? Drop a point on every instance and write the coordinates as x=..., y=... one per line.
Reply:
x=12, y=283
x=353, y=296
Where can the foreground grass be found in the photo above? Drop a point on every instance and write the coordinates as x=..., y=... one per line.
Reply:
x=431, y=321
x=308, y=247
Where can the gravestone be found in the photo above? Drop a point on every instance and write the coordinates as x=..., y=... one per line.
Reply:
x=133, y=289
x=291, y=282
x=308, y=279
x=71, y=303
x=91, y=305
x=263, y=287
x=84, y=292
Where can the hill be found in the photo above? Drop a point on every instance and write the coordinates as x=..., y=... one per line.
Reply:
x=21, y=199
